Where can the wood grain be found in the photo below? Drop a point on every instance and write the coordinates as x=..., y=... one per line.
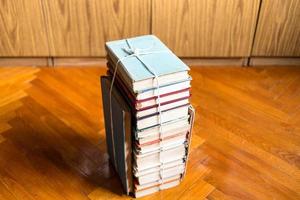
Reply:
x=246, y=141
x=1, y=139
x=278, y=31
x=263, y=61
x=22, y=29
x=23, y=61
x=13, y=83
x=100, y=61
x=79, y=62
x=207, y=28
x=80, y=28
x=215, y=61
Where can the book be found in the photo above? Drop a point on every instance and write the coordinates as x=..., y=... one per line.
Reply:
x=169, y=126
x=161, y=143
x=156, y=188
x=148, y=94
x=161, y=174
x=150, y=170
x=166, y=116
x=149, y=106
x=166, y=64
x=165, y=136
x=120, y=140
x=158, y=157
x=176, y=103
x=139, y=187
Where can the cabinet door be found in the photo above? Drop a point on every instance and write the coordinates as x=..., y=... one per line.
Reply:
x=22, y=30
x=278, y=31
x=81, y=27
x=206, y=28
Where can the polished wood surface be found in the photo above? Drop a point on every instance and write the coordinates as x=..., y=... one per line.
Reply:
x=22, y=30
x=246, y=142
x=278, y=30
x=263, y=61
x=69, y=28
x=207, y=28
x=98, y=61
x=192, y=28
x=24, y=61
x=80, y=28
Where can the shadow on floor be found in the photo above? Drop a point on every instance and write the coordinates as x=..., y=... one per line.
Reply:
x=45, y=152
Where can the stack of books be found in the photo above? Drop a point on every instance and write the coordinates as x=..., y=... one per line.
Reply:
x=148, y=116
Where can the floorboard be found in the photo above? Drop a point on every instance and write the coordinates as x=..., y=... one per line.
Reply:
x=246, y=142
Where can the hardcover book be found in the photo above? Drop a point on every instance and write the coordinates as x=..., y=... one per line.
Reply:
x=167, y=66
x=119, y=142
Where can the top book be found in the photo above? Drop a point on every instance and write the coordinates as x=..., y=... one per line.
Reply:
x=153, y=54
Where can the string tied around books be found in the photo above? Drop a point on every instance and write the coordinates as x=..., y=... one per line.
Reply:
x=137, y=53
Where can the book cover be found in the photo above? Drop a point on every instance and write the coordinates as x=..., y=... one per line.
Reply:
x=189, y=138
x=162, y=59
x=139, y=104
x=151, y=93
x=119, y=142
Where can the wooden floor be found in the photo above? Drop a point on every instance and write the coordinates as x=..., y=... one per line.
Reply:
x=246, y=142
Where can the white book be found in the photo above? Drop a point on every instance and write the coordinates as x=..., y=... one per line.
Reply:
x=163, y=80
x=146, y=171
x=139, y=187
x=161, y=145
x=165, y=135
x=165, y=117
x=143, y=113
x=166, y=127
x=162, y=99
x=157, y=188
x=164, y=89
x=155, y=158
x=161, y=174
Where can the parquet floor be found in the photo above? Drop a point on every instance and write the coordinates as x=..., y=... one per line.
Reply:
x=246, y=142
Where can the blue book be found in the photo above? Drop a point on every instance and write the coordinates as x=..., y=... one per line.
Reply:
x=154, y=58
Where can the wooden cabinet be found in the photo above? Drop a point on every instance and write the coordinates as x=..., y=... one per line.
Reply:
x=206, y=28
x=22, y=28
x=278, y=30
x=191, y=28
x=80, y=28
x=66, y=28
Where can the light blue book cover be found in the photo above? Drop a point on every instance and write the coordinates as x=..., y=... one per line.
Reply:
x=159, y=57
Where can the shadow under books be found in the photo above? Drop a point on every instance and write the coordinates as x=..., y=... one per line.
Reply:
x=49, y=144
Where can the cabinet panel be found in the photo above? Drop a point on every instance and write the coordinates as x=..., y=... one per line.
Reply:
x=81, y=27
x=206, y=28
x=278, y=31
x=22, y=30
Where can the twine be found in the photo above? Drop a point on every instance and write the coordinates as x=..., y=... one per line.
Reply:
x=137, y=52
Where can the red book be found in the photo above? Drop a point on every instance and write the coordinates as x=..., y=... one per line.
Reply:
x=148, y=106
